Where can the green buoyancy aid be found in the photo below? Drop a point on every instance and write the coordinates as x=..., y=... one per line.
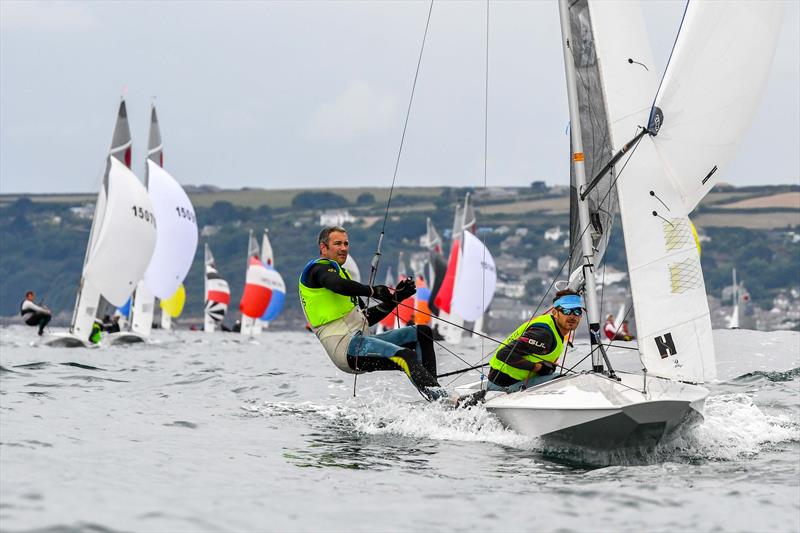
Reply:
x=322, y=305
x=96, y=333
x=521, y=374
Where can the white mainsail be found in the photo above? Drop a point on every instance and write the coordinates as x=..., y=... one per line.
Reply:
x=122, y=236
x=669, y=173
x=711, y=90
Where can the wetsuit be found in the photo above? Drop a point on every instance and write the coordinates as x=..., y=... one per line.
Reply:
x=35, y=315
x=340, y=319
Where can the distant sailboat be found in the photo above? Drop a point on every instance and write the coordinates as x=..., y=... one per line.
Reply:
x=172, y=307
x=352, y=268
x=457, y=294
x=733, y=323
x=255, y=297
x=218, y=294
x=121, y=241
x=277, y=286
x=449, y=326
x=177, y=237
x=389, y=321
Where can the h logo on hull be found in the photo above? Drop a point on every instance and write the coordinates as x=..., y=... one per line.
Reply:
x=665, y=345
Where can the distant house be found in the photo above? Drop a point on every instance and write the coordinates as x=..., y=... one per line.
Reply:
x=511, y=243
x=209, y=231
x=83, y=211
x=335, y=217
x=521, y=232
x=547, y=263
x=554, y=234
x=511, y=289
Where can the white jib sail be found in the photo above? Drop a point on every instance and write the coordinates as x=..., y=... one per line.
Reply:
x=477, y=279
x=712, y=88
x=177, y=233
x=126, y=239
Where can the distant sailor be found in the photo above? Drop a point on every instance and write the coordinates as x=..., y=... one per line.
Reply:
x=34, y=314
x=528, y=356
x=341, y=321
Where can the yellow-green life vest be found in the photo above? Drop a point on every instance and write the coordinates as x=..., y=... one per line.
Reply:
x=521, y=374
x=322, y=305
x=96, y=333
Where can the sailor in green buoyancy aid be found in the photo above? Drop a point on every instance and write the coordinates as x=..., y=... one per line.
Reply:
x=332, y=304
x=528, y=356
x=96, y=333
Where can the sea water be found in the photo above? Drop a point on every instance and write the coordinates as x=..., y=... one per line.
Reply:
x=219, y=432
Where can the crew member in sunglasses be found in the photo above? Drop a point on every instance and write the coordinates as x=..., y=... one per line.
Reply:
x=528, y=356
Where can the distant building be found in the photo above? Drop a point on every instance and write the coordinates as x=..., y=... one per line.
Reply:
x=547, y=263
x=335, y=217
x=511, y=289
x=521, y=232
x=554, y=234
x=83, y=211
x=209, y=231
x=511, y=243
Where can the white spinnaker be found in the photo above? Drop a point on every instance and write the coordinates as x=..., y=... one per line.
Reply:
x=712, y=88
x=126, y=239
x=477, y=279
x=352, y=268
x=177, y=233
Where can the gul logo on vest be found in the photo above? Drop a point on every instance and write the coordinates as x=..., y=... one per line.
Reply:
x=665, y=345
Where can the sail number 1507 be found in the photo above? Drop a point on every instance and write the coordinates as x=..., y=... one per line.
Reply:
x=144, y=214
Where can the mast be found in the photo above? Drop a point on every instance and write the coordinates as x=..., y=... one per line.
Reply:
x=590, y=291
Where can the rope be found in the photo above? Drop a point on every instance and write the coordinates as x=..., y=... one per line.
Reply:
x=376, y=258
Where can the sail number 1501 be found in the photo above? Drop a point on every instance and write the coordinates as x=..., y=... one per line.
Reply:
x=144, y=214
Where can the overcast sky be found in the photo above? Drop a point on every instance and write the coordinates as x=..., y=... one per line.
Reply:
x=313, y=94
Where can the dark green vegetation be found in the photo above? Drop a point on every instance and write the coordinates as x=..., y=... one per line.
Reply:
x=43, y=242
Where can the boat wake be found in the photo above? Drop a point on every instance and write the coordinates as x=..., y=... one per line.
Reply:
x=734, y=427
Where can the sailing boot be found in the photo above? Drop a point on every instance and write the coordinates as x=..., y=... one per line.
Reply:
x=426, y=384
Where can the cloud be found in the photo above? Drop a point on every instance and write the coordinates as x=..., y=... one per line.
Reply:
x=52, y=16
x=359, y=110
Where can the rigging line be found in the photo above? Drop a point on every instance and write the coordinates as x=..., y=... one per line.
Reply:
x=434, y=317
x=376, y=257
x=408, y=114
x=485, y=167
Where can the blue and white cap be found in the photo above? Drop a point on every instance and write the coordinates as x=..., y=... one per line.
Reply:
x=569, y=301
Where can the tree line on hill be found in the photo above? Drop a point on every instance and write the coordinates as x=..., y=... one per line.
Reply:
x=43, y=246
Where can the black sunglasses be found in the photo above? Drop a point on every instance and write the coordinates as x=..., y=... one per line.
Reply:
x=577, y=311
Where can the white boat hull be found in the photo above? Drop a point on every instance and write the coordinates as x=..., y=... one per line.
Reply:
x=65, y=339
x=594, y=411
